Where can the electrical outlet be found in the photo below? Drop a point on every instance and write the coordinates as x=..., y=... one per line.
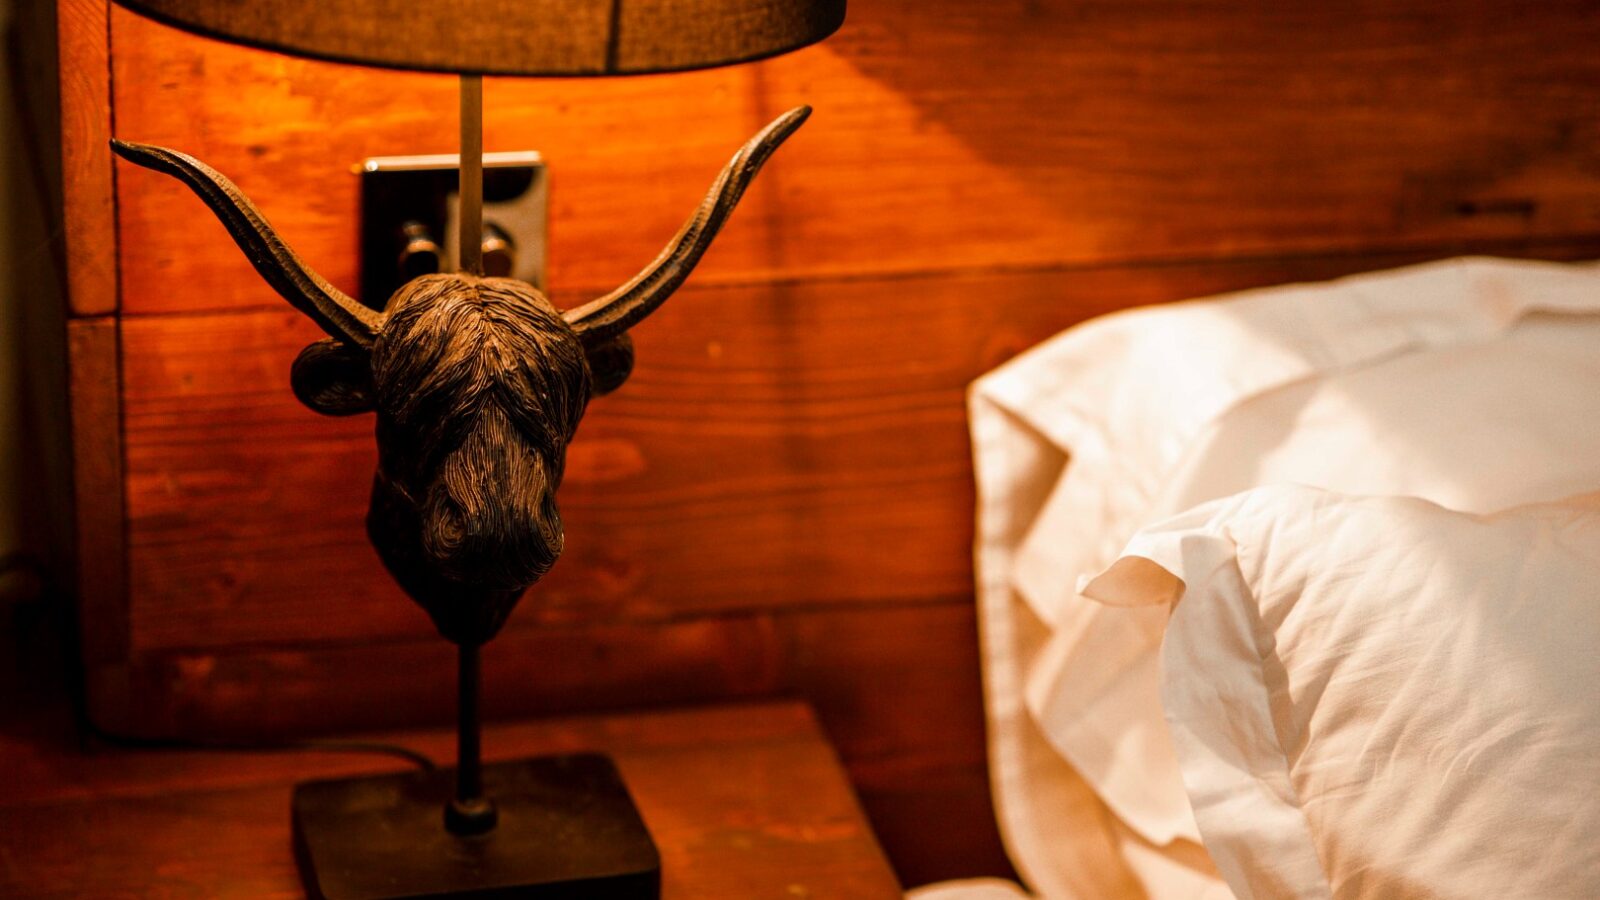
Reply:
x=410, y=208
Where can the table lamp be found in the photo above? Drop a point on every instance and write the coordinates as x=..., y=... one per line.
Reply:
x=478, y=384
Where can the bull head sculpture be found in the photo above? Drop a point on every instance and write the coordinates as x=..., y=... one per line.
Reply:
x=478, y=384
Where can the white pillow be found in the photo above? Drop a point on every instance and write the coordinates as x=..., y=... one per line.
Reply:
x=1378, y=697
x=1467, y=382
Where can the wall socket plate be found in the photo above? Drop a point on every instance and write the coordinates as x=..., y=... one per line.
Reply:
x=396, y=190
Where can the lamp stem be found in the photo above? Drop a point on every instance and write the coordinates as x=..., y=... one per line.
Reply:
x=471, y=234
x=469, y=744
x=471, y=812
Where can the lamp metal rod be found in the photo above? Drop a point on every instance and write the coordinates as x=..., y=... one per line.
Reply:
x=471, y=234
x=469, y=771
x=470, y=813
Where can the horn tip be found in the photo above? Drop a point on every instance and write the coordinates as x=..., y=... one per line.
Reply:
x=131, y=151
x=785, y=125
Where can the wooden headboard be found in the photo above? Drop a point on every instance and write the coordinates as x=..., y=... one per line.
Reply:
x=780, y=500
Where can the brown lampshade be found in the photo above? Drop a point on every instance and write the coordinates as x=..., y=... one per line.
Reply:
x=513, y=37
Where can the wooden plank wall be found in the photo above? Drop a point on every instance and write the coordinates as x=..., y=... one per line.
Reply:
x=780, y=499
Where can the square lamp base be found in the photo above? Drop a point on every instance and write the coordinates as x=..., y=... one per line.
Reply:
x=567, y=829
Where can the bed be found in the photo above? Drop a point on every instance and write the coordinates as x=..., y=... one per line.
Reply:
x=1252, y=578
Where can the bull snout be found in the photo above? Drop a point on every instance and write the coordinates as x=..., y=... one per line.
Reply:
x=489, y=517
x=466, y=565
x=505, y=544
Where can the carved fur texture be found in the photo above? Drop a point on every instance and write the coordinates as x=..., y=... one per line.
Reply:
x=480, y=385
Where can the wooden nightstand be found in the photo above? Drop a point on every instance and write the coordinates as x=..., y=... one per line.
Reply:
x=744, y=802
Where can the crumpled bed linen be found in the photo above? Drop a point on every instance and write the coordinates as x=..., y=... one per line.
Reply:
x=1376, y=698
x=1471, y=383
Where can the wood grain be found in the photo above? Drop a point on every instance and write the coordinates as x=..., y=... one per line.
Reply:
x=896, y=689
x=957, y=136
x=878, y=674
x=779, y=446
x=53, y=767
x=88, y=195
x=743, y=803
x=94, y=390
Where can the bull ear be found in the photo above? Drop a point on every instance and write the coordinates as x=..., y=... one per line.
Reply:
x=610, y=362
x=333, y=378
x=600, y=320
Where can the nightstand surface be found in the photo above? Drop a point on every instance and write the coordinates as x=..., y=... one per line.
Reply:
x=744, y=802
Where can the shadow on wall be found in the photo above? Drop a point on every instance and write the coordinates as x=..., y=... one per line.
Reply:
x=1148, y=128
x=35, y=462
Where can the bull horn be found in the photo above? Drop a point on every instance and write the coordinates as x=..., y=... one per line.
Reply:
x=603, y=319
x=336, y=312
